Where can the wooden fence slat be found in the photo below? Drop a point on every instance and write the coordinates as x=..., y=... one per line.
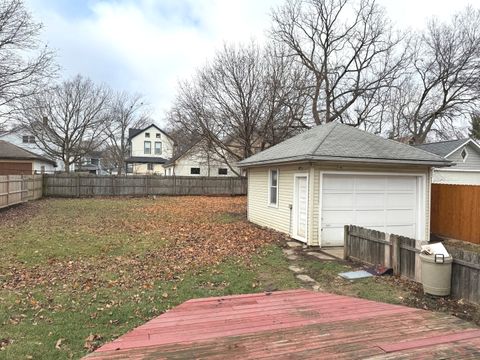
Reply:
x=402, y=254
x=74, y=185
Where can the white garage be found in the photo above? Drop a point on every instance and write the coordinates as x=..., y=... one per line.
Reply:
x=313, y=184
x=387, y=203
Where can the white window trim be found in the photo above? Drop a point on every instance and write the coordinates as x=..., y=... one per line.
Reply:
x=270, y=187
x=144, y=147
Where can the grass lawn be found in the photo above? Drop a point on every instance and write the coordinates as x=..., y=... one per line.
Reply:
x=75, y=273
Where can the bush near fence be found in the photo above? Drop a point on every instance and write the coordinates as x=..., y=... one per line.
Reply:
x=402, y=254
x=75, y=185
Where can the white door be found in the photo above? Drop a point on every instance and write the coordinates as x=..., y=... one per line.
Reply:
x=300, y=208
x=383, y=203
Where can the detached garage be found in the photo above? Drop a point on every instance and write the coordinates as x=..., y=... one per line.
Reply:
x=313, y=184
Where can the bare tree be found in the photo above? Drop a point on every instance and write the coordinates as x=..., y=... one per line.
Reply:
x=244, y=100
x=474, y=131
x=24, y=66
x=350, y=50
x=68, y=119
x=442, y=84
x=125, y=111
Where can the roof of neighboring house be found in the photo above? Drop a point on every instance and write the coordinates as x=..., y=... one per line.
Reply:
x=445, y=148
x=134, y=132
x=145, y=160
x=9, y=151
x=182, y=152
x=343, y=143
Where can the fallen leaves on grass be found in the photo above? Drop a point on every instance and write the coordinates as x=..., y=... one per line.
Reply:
x=191, y=234
x=92, y=342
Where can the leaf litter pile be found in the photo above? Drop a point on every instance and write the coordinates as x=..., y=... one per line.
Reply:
x=191, y=233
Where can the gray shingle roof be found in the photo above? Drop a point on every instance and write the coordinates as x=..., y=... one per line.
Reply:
x=145, y=160
x=12, y=152
x=343, y=143
x=442, y=148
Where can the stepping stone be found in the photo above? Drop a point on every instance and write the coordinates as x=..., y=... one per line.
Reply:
x=294, y=244
x=320, y=255
x=296, y=269
x=305, y=278
x=288, y=251
x=292, y=257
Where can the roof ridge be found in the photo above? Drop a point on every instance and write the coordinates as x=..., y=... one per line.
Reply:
x=442, y=142
x=324, y=137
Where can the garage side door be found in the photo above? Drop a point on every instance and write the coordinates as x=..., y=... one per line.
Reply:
x=384, y=203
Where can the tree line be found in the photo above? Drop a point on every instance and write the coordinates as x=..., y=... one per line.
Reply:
x=324, y=61
x=336, y=60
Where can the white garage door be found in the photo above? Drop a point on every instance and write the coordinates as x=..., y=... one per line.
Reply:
x=384, y=203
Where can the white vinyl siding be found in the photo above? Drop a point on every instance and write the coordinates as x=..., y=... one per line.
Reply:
x=278, y=218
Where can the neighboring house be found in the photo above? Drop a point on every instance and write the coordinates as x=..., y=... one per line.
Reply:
x=198, y=160
x=91, y=163
x=150, y=148
x=313, y=184
x=22, y=139
x=17, y=161
x=464, y=153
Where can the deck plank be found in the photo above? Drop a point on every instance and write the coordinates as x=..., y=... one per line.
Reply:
x=295, y=324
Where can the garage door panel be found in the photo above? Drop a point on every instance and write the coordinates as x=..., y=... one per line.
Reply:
x=376, y=217
x=399, y=201
x=400, y=216
x=330, y=218
x=331, y=235
x=370, y=201
x=369, y=183
x=379, y=202
x=338, y=201
x=403, y=183
x=340, y=182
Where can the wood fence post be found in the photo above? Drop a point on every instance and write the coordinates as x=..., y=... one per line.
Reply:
x=346, y=247
x=395, y=254
x=8, y=190
x=78, y=185
x=388, y=251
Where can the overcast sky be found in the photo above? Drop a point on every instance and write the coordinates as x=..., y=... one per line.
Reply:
x=146, y=46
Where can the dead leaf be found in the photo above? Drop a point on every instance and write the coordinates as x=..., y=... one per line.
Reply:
x=58, y=344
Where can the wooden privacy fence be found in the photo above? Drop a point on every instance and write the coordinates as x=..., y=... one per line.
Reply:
x=455, y=211
x=402, y=255
x=15, y=189
x=135, y=185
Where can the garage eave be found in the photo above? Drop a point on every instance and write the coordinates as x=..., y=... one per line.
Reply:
x=370, y=161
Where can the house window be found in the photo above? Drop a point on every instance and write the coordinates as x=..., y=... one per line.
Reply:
x=94, y=161
x=147, y=147
x=222, y=171
x=194, y=171
x=464, y=154
x=158, y=148
x=147, y=135
x=273, y=187
x=150, y=167
x=157, y=135
x=28, y=139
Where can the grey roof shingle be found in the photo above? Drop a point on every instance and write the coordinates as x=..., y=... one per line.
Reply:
x=9, y=151
x=442, y=148
x=338, y=142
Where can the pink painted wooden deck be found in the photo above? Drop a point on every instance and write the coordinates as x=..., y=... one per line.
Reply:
x=296, y=324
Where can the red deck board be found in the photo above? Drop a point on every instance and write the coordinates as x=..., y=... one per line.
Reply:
x=297, y=323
